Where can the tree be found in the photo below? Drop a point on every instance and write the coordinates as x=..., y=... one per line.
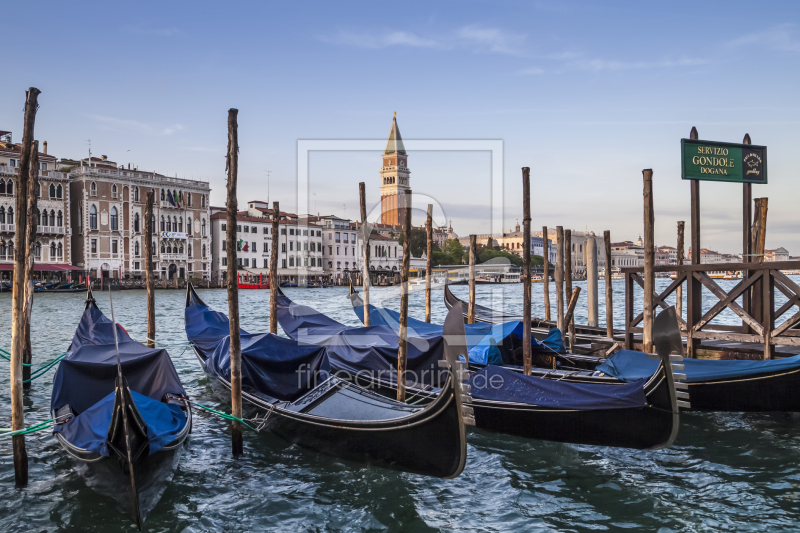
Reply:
x=418, y=243
x=454, y=249
x=487, y=254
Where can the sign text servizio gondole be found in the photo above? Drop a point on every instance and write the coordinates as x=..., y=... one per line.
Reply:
x=716, y=161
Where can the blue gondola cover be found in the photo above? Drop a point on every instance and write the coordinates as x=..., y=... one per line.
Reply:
x=504, y=385
x=629, y=365
x=89, y=429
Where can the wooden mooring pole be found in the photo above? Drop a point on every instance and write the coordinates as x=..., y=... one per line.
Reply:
x=232, y=206
x=428, y=263
x=274, y=283
x=30, y=242
x=402, y=352
x=546, y=276
x=649, y=262
x=747, y=243
x=559, y=274
x=609, y=286
x=18, y=290
x=526, y=271
x=694, y=289
x=149, y=220
x=473, y=252
x=362, y=193
x=681, y=255
x=569, y=324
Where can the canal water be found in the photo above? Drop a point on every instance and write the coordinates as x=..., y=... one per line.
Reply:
x=726, y=472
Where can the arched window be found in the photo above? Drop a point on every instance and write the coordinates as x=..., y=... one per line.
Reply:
x=162, y=247
x=10, y=249
x=136, y=223
x=189, y=199
x=189, y=226
x=189, y=250
x=114, y=219
x=37, y=251
x=162, y=223
x=92, y=217
x=93, y=189
x=52, y=191
x=203, y=202
x=52, y=250
x=59, y=191
x=38, y=189
x=2, y=249
x=39, y=221
x=162, y=195
x=2, y=216
x=204, y=251
x=180, y=249
x=169, y=224
x=113, y=191
x=10, y=214
x=175, y=224
x=203, y=228
x=60, y=250
x=52, y=217
x=153, y=227
x=136, y=194
x=2, y=188
x=136, y=248
x=10, y=187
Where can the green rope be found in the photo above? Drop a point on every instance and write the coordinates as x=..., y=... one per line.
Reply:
x=224, y=415
x=42, y=370
x=6, y=355
x=24, y=431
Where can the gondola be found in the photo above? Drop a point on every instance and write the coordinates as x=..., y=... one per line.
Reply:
x=713, y=385
x=289, y=384
x=565, y=406
x=121, y=413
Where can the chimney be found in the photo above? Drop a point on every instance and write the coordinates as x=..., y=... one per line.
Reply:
x=104, y=157
x=44, y=144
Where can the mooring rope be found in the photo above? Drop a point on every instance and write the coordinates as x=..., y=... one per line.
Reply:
x=223, y=415
x=39, y=372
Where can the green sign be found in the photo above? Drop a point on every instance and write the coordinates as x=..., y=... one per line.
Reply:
x=715, y=161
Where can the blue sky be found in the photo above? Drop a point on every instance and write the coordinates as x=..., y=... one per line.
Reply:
x=587, y=94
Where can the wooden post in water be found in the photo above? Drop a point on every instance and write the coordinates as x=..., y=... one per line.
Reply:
x=569, y=324
x=402, y=352
x=274, y=283
x=232, y=206
x=591, y=279
x=18, y=290
x=609, y=287
x=526, y=271
x=546, y=277
x=362, y=193
x=148, y=269
x=649, y=262
x=473, y=251
x=573, y=300
x=30, y=243
x=429, y=262
x=681, y=256
x=559, y=274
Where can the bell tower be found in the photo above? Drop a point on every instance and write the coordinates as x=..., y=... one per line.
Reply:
x=395, y=186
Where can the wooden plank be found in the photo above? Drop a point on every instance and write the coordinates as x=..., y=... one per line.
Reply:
x=736, y=337
x=733, y=306
x=773, y=265
x=791, y=321
x=526, y=271
x=609, y=287
x=785, y=280
x=232, y=207
x=659, y=298
x=572, y=302
x=723, y=303
x=768, y=303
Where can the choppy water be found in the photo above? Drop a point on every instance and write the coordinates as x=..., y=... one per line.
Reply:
x=730, y=472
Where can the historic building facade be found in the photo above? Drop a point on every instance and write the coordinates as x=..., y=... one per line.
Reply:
x=107, y=214
x=395, y=185
x=52, y=251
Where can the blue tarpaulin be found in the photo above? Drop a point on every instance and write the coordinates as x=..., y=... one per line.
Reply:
x=88, y=372
x=89, y=430
x=279, y=367
x=629, y=365
x=501, y=384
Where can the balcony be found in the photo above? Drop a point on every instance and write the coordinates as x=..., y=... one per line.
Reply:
x=58, y=230
x=173, y=257
x=8, y=228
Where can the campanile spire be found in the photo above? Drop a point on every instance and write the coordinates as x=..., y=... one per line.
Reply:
x=394, y=177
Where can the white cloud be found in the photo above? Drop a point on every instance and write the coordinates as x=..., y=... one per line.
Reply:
x=782, y=38
x=474, y=38
x=134, y=126
x=530, y=71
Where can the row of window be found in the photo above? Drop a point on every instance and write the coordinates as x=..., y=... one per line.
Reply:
x=166, y=248
x=266, y=230
x=178, y=197
x=55, y=191
x=42, y=217
x=167, y=224
x=345, y=235
x=56, y=251
x=245, y=261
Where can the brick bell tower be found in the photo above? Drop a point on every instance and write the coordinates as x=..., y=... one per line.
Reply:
x=395, y=186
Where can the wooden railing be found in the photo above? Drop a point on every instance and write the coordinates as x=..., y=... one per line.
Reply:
x=758, y=314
